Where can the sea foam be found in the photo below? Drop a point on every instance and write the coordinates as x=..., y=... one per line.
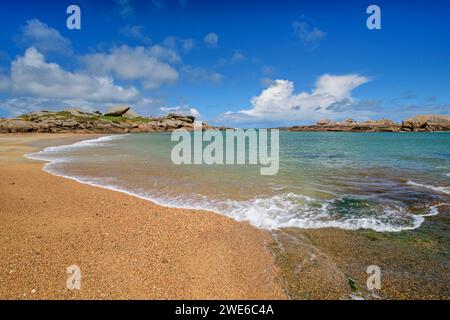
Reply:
x=445, y=190
x=278, y=211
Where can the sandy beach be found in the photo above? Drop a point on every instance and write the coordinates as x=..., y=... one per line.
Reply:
x=126, y=248
x=129, y=248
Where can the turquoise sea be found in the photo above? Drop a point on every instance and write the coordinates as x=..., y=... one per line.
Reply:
x=380, y=181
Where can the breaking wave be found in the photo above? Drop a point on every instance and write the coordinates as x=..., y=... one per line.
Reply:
x=278, y=211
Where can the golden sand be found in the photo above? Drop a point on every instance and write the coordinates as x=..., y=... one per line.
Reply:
x=126, y=248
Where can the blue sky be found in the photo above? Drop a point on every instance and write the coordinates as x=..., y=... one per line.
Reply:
x=241, y=63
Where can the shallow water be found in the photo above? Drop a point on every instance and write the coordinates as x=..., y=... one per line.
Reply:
x=379, y=181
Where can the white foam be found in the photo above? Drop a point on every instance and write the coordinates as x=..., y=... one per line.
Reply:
x=293, y=210
x=433, y=210
x=48, y=154
x=285, y=210
x=445, y=190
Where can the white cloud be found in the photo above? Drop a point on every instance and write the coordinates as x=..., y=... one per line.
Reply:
x=279, y=102
x=306, y=33
x=211, y=39
x=183, y=109
x=31, y=75
x=21, y=105
x=46, y=39
x=162, y=53
x=149, y=65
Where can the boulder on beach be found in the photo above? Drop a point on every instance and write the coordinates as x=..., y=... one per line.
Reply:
x=117, y=111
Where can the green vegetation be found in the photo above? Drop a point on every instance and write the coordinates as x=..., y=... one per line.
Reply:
x=114, y=119
x=67, y=116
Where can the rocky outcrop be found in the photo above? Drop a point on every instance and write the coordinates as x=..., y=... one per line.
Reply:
x=17, y=126
x=427, y=123
x=131, y=114
x=117, y=111
x=323, y=122
x=384, y=125
x=169, y=123
x=417, y=123
x=76, y=120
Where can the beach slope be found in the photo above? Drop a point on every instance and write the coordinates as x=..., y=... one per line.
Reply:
x=126, y=248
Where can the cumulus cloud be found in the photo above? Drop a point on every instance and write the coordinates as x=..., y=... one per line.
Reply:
x=306, y=33
x=211, y=39
x=279, y=102
x=183, y=109
x=31, y=75
x=22, y=105
x=44, y=38
x=149, y=65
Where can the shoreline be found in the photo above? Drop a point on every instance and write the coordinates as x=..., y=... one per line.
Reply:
x=287, y=263
x=151, y=252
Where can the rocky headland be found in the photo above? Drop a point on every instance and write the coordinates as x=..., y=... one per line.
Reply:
x=119, y=119
x=417, y=123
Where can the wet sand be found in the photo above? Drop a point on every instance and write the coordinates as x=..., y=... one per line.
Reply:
x=126, y=248
x=332, y=263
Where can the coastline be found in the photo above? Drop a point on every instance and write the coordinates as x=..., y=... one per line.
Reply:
x=130, y=248
x=126, y=248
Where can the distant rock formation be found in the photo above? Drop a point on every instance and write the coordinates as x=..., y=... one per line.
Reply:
x=417, y=123
x=323, y=122
x=427, y=122
x=79, y=121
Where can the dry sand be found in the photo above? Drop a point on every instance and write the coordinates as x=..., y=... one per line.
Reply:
x=125, y=247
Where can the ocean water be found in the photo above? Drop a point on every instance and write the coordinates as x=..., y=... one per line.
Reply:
x=380, y=181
